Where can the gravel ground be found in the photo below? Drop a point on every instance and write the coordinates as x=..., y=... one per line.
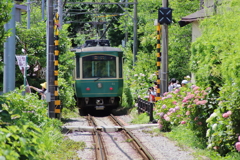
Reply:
x=160, y=147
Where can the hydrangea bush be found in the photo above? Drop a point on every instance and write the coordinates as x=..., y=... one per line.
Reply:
x=189, y=106
x=224, y=129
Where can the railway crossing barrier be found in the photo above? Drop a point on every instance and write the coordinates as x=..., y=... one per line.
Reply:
x=146, y=107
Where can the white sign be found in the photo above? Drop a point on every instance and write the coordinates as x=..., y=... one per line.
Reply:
x=22, y=62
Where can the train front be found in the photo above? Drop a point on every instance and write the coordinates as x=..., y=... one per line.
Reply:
x=98, y=77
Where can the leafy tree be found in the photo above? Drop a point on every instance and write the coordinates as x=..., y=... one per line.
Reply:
x=179, y=44
x=33, y=41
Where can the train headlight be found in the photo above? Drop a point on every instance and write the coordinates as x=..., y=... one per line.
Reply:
x=88, y=89
x=111, y=88
x=99, y=85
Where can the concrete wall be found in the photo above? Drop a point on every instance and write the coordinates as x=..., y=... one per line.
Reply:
x=196, y=31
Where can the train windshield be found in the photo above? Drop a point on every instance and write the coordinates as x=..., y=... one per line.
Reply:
x=99, y=66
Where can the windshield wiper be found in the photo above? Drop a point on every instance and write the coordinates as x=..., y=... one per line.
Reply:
x=97, y=79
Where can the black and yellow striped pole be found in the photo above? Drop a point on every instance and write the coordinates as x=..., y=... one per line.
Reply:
x=158, y=62
x=57, y=102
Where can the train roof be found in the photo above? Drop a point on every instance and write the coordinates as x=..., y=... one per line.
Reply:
x=97, y=49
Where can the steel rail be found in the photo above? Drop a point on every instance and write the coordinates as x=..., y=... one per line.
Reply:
x=98, y=140
x=102, y=3
x=138, y=145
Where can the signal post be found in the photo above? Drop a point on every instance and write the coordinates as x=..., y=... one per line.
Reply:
x=164, y=19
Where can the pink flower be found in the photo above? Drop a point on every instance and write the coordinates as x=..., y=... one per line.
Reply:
x=188, y=113
x=177, y=108
x=160, y=114
x=167, y=118
x=200, y=123
x=164, y=94
x=238, y=138
x=196, y=100
x=196, y=88
x=193, y=86
x=169, y=96
x=196, y=118
x=237, y=145
x=227, y=114
x=178, y=115
x=164, y=106
x=184, y=100
x=189, y=96
x=176, y=91
x=196, y=92
x=205, y=93
x=183, y=122
x=172, y=110
x=208, y=88
x=203, y=102
x=174, y=102
x=169, y=113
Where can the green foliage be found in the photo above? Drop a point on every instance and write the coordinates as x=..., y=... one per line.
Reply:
x=20, y=142
x=24, y=109
x=142, y=118
x=33, y=40
x=68, y=149
x=140, y=76
x=180, y=39
x=187, y=138
x=25, y=130
x=215, y=62
x=69, y=113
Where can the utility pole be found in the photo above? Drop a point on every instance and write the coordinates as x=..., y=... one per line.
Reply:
x=43, y=9
x=135, y=32
x=164, y=68
x=9, y=55
x=50, y=60
x=60, y=12
x=28, y=14
x=126, y=31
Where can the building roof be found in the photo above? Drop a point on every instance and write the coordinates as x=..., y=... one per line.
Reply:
x=201, y=14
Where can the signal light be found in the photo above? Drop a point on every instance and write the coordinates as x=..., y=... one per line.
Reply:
x=87, y=89
x=111, y=88
x=165, y=15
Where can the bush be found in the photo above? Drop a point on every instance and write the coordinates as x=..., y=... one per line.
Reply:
x=189, y=106
x=26, y=132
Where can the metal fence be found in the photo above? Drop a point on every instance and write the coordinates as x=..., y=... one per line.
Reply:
x=145, y=106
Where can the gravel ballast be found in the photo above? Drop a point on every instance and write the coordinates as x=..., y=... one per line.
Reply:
x=159, y=146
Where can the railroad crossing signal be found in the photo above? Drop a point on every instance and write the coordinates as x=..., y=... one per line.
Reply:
x=165, y=15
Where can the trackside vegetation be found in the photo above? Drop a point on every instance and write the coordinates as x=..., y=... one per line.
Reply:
x=207, y=110
x=26, y=132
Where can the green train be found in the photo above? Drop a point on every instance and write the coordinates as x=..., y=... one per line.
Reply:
x=98, y=76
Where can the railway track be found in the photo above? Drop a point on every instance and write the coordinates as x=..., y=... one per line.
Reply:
x=102, y=151
x=138, y=145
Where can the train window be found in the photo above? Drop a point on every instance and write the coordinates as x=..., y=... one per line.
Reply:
x=77, y=67
x=99, y=66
